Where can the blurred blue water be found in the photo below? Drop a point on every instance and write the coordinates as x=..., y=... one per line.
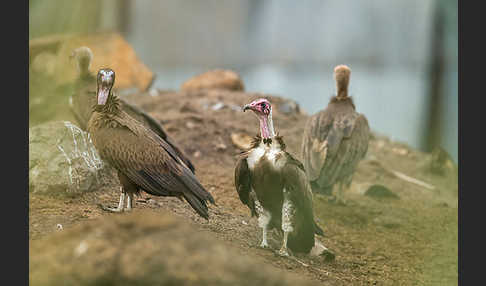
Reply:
x=393, y=100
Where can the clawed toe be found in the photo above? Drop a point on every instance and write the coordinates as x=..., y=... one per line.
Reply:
x=108, y=209
x=264, y=246
x=283, y=252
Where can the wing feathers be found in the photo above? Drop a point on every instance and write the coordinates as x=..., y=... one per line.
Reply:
x=243, y=184
x=148, y=161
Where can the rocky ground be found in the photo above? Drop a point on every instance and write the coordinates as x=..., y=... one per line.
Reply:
x=408, y=239
x=398, y=227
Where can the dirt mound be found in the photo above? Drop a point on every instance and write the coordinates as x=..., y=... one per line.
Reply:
x=145, y=248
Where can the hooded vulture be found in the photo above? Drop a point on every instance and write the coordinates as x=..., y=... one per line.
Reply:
x=274, y=186
x=84, y=98
x=143, y=159
x=335, y=140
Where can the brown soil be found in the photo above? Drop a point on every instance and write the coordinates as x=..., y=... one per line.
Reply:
x=407, y=241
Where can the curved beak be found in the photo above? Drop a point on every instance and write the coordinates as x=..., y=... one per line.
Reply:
x=246, y=107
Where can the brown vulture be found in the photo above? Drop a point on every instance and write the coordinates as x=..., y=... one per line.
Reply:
x=84, y=98
x=335, y=140
x=143, y=159
x=274, y=186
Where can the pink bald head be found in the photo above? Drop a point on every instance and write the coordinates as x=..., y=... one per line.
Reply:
x=263, y=110
x=261, y=107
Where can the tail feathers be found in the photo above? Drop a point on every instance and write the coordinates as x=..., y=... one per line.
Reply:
x=301, y=240
x=198, y=205
x=191, y=182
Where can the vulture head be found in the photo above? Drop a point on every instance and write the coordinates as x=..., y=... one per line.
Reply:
x=261, y=107
x=341, y=75
x=263, y=110
x=104, y=80
x=83, y=57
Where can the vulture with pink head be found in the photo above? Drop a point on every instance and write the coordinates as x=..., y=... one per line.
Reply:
x=335, y=140
x=273, y=184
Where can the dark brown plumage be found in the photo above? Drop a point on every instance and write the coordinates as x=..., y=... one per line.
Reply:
x=335, y=140
x=84, y=98
x=143, y=159
x=274, y=186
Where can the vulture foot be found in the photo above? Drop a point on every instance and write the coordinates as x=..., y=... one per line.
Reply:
x=108, y=209
x=264, y=245
x=121, y=204
x=283, y=252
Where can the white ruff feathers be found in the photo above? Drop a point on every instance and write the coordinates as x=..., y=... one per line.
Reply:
x=269, y=152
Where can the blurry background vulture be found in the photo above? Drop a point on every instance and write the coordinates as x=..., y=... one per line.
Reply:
x=84, y=98
x=143, y=159
x=335, y=140
x=274, y=186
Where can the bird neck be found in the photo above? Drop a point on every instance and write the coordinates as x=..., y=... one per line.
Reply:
x=266, y=126
x=111, y=106
x=342, y=94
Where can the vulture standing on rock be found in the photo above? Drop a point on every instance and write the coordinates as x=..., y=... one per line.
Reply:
x=143, y=159
x=84, y=98
x=274, y=186
x=335, y=140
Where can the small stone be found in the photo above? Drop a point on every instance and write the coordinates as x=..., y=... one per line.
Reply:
x=197, y=154
x=153, y=92
x=190, y=125
x=380, y=191
x=241, y=140
x=400, y=151
x=218, y=106
x=59, y=226
x=220, y=147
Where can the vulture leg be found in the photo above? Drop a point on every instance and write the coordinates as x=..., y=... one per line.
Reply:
x=340, y=196
x=264, y=217
x=287, y=216
x=121, y=203
x=283, y=250
x=130, y=188
x=129, y=202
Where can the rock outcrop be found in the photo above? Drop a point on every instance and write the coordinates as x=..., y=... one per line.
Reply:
x=215, y=79
x=63, y=160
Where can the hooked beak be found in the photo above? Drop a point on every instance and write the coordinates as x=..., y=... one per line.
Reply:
x=246, y=107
